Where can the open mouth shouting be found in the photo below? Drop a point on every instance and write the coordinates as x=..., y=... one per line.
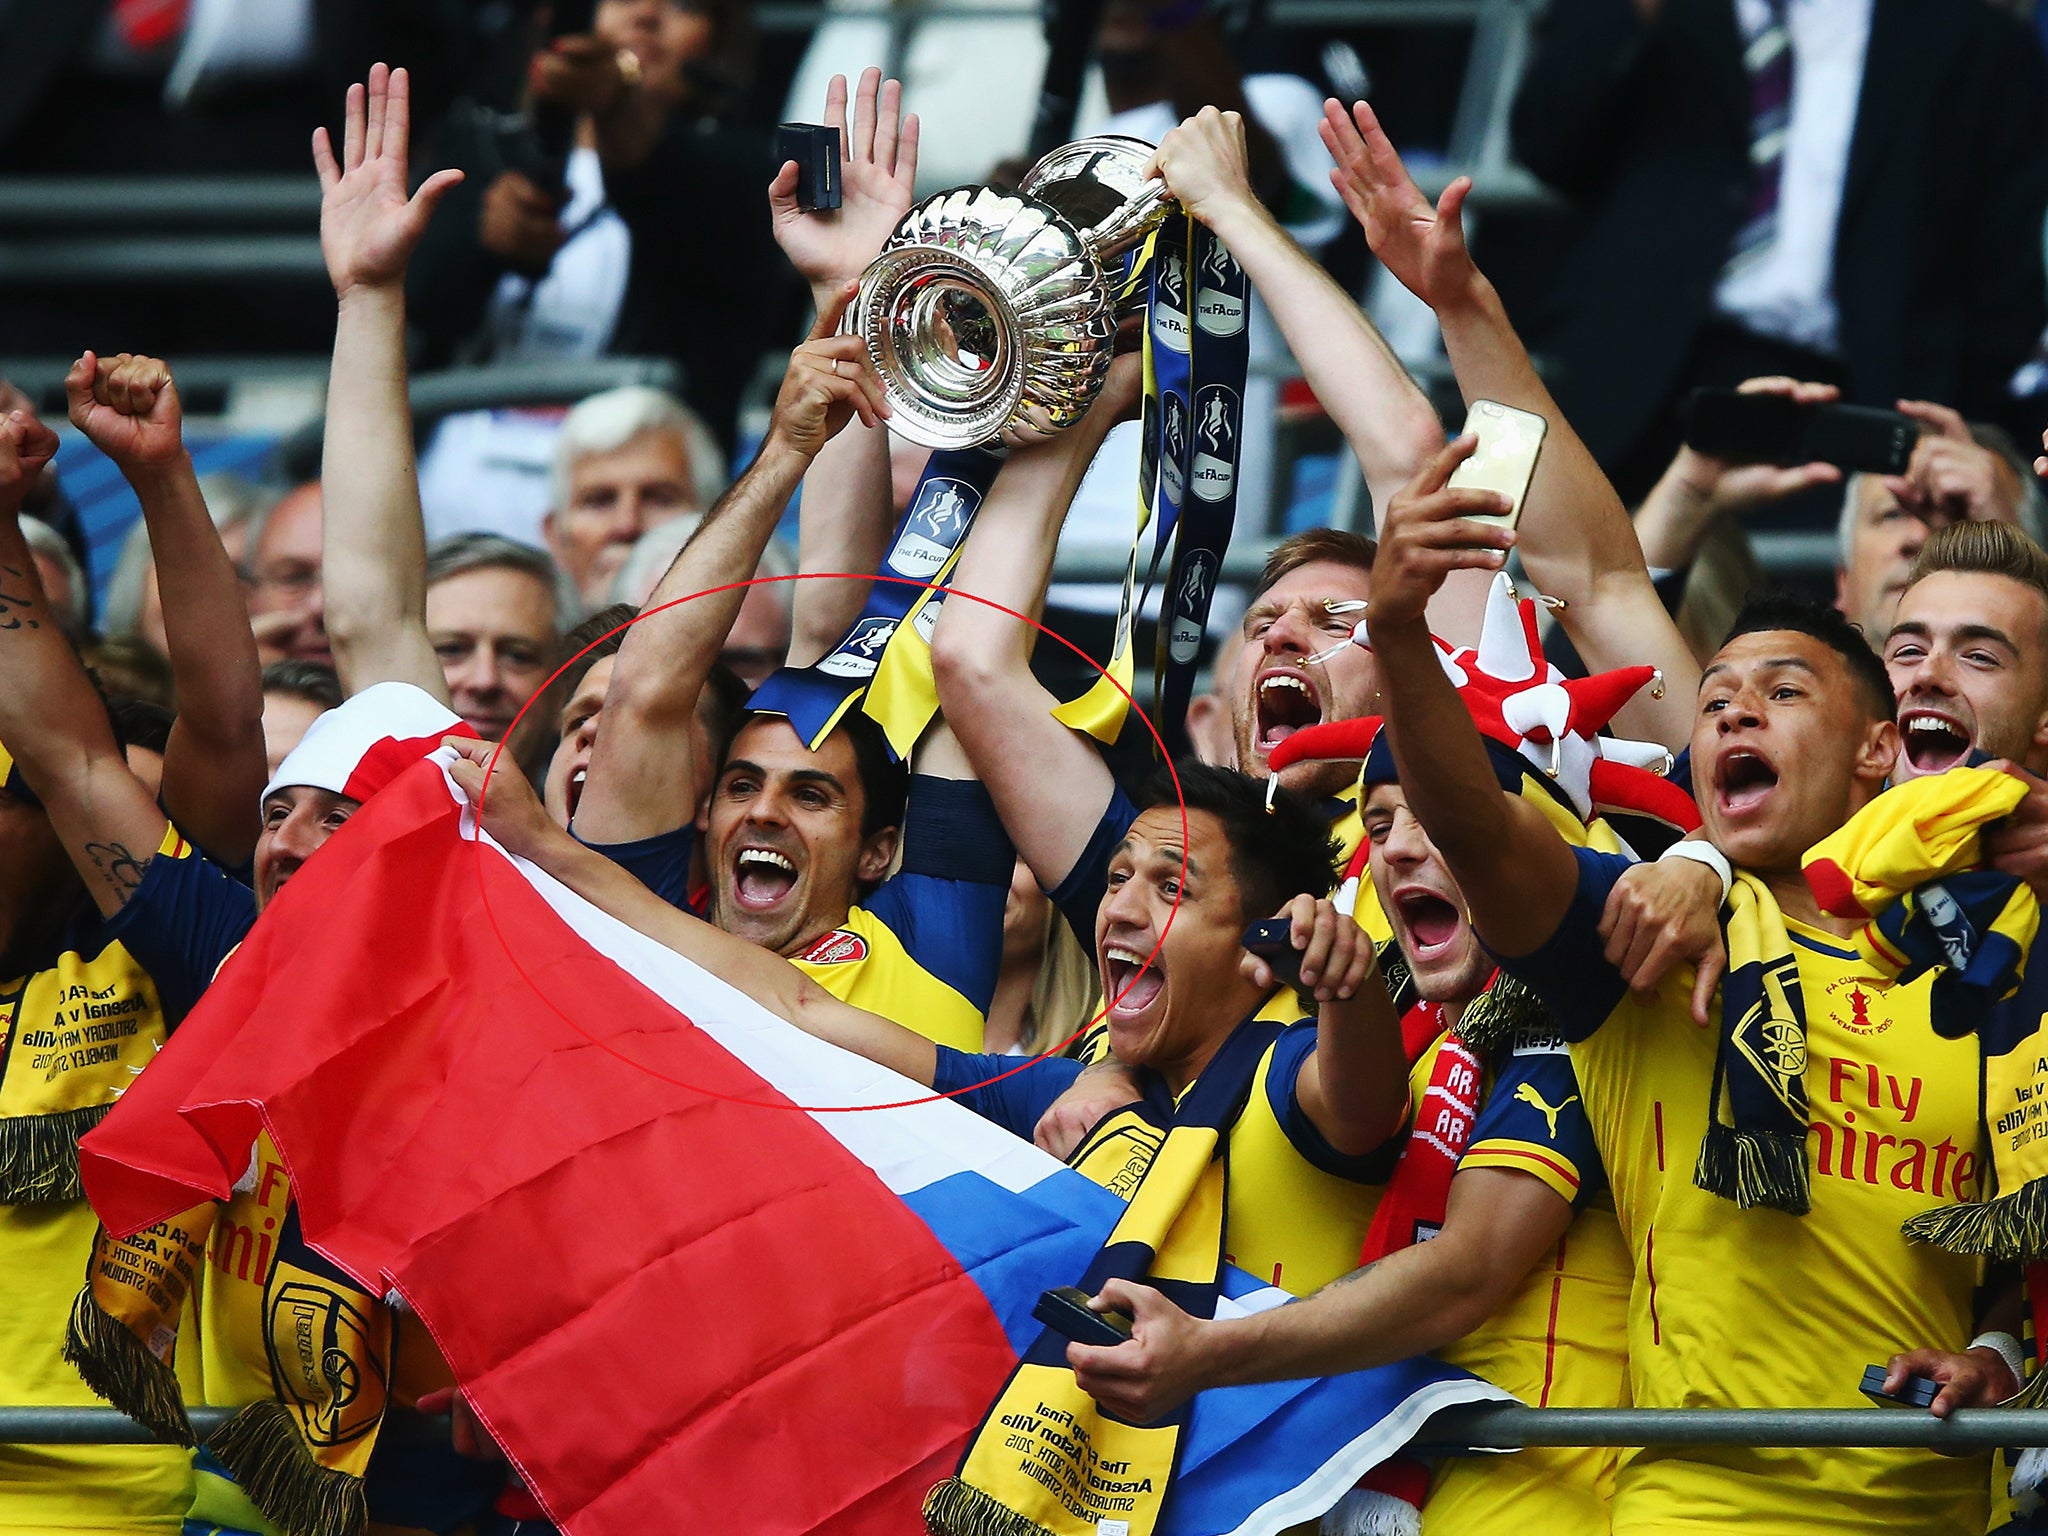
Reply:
x=762, y=877
x=574, y=792
x=1931, y=740
x=1130, y=984
x=1743, y=781
x=1284, y=700
x=1427, y=920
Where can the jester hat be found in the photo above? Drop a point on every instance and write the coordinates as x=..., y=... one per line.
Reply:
x=1541, y=731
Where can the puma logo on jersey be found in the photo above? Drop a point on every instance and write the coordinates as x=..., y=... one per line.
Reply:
x=1526, y=1094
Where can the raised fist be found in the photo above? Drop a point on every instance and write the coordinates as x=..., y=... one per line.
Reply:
x=127, y=407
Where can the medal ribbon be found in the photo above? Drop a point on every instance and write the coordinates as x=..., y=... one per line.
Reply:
x=1162, y=473
x=1222, y=356
x=900, y=693
x=1196, y=355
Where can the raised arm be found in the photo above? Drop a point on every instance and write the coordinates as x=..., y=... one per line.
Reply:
x=1577, y=543
x=846, y=505
x=642, y=780
x=513, y=814
x=1049, y=783
x=1386, y=419
x=51, y=719
x=1498, y=1225
x=1697, y=490
x=374, y=543
x=1515, y=871
x=127, y=406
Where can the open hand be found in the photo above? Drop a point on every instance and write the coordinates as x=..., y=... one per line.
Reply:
x=828, y=383
x=368, y=226
x=1157, y=1370
x=877, y=179
x=127, y=407
x=1423, y=246
x=1426, y=534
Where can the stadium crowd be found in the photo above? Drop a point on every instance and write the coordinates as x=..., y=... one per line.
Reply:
x=1569, y=1069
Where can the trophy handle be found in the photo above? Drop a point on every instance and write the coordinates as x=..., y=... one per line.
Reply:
x=1132, y=222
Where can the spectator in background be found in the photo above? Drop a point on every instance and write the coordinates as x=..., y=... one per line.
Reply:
x=624, y=461
x=287, y=608
x=656, y=244
x=493, y=615
x=759, y=640
x=1957, y=474
x=295, y=694
x=134, y=605
x=63, y=579
x=1047, y=989
x=1850, y=191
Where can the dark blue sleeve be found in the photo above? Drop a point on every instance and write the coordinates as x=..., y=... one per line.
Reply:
x=182, y=921
x=946, y=902
x=1291, y=1053
x=1079, y=895
x=1534, y=1100
x=661, y=863
x=1681, y=771
x=1017, y=1102
x=1569, y=971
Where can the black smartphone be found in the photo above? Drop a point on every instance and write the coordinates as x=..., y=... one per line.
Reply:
x=1272, y=941
x=1065, y=1311
x=1774, y=429
x=815, y=149
x=1914, y=1392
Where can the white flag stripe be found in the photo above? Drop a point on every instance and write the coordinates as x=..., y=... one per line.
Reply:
x=908, y=1148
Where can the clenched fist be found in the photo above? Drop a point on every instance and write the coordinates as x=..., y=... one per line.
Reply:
x=127, y=406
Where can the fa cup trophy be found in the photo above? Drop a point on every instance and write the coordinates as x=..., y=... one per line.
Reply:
x=990, y=314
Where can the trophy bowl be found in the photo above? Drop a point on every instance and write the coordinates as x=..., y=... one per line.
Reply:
x=990, y=314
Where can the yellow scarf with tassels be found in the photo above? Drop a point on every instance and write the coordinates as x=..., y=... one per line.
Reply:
x=1047, y=1461
x=1909, y=864
x=303, y=1352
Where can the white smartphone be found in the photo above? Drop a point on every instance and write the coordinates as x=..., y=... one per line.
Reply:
x=1505, y=460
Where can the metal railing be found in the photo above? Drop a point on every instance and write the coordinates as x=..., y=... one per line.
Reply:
x=1451, y=1432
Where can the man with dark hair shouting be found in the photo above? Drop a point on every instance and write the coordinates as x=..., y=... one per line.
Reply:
x=1761, y=1170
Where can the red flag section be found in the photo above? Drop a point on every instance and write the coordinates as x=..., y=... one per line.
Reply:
x=671, y=1309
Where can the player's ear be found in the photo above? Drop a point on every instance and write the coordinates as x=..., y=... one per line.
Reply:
x=1880, y=751
x=877, y=852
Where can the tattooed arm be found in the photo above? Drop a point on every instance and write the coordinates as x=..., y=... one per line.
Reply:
x=51, y=719
x=1497, y=1226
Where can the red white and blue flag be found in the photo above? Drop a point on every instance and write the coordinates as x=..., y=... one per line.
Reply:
x=676, y=1297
